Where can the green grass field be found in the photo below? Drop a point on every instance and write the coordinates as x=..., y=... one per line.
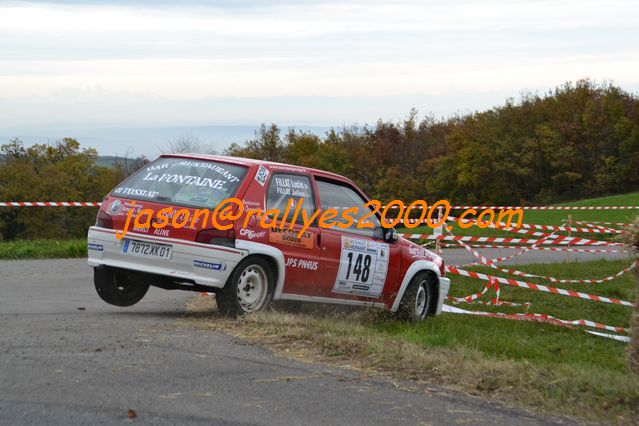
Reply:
x=43, y=249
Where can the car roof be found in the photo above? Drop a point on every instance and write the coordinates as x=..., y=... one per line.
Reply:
x=254, y=162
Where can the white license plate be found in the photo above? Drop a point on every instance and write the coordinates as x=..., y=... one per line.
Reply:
x=144, y=249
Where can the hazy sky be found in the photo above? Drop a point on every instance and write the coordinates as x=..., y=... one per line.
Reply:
x=298, y=62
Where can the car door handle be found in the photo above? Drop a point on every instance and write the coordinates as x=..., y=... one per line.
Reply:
x=319, y=240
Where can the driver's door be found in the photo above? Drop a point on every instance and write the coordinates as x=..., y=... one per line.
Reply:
x=353, y=263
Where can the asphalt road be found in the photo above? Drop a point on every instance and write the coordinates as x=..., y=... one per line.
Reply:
x=68, y=358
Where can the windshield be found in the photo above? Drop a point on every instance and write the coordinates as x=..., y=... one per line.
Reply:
x=182, y=181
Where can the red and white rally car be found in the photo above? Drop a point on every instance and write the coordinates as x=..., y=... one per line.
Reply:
x=248, y=267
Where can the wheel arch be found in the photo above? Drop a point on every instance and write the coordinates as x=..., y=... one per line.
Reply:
x=273, y=255
x=415, y=268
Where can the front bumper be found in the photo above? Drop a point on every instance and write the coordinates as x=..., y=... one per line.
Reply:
x=203, y=264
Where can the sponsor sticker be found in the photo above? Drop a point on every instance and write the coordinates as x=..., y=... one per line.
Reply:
x=114, y=208
x=295, y=262
x=289, y=237
x=162, y=232
x=209, y=265
x=418, y=251
x=261, y=175
x=125, y=190
x=292, y=186
x=96, y=247
x=251, y=235
x=363, y=266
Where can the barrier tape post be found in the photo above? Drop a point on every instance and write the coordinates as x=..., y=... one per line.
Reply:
x=569, y=224
x=438, y=247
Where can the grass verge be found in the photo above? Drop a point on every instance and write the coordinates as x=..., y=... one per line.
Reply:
x=544, y=367
x=43, y=249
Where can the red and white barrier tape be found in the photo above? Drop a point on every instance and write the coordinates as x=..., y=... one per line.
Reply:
x=568, y=249
x=393, y=207
x=472, y=298
x=546, y=207
x=632, y=267
x=586, y=230
x=578, y=250
x=605, y=223
x=48, y=204
x=625, y=339
x=544, y=318
x=495, y=284
x=499, y=259
x=492, y=263
x=402, y=220
x=537, y=287
x=595, y=226
x=558, y=240
x=589, y=229
x=530, y=226
x=576, y=240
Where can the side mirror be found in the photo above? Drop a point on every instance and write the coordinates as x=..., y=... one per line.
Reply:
x=389, y=235
x=386, y=234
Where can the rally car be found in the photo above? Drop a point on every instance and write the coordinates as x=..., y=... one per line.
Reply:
x=250, y=262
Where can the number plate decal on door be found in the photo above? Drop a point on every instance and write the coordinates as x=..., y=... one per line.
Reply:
x=363, y=265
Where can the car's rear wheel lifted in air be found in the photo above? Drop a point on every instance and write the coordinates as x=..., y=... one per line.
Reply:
x=249, y=289
x=418, y=298
x=116, y=289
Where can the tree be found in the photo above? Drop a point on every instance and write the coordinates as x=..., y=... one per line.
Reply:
x=579, y=140
x=189, y=144
x=267, y=145
x=57, y=172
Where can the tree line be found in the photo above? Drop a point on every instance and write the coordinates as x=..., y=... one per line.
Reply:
x=578, y=140
x=61, y=171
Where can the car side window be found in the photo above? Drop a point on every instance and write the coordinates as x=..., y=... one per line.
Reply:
x=283, y=187
x=340, y=196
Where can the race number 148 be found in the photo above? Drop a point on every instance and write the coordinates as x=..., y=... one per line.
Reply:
x=361, y=272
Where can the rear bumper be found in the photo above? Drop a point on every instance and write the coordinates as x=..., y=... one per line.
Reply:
x=202, y=264
x=444, y=287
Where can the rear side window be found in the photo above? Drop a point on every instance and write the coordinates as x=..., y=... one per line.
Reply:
x=182, y=181
x=283, y=187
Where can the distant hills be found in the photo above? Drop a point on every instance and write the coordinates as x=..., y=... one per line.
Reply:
x=110, y=161
x=148, y=141
x=113, y=161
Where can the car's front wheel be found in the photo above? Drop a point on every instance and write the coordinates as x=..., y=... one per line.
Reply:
x=418, y=297
x=115, y=289
x=249, y=289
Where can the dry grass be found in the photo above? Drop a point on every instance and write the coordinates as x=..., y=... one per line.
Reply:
x=353, y=339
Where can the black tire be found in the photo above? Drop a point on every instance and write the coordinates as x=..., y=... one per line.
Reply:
x=249, y=289
x=114, y=289
x=418, y=298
